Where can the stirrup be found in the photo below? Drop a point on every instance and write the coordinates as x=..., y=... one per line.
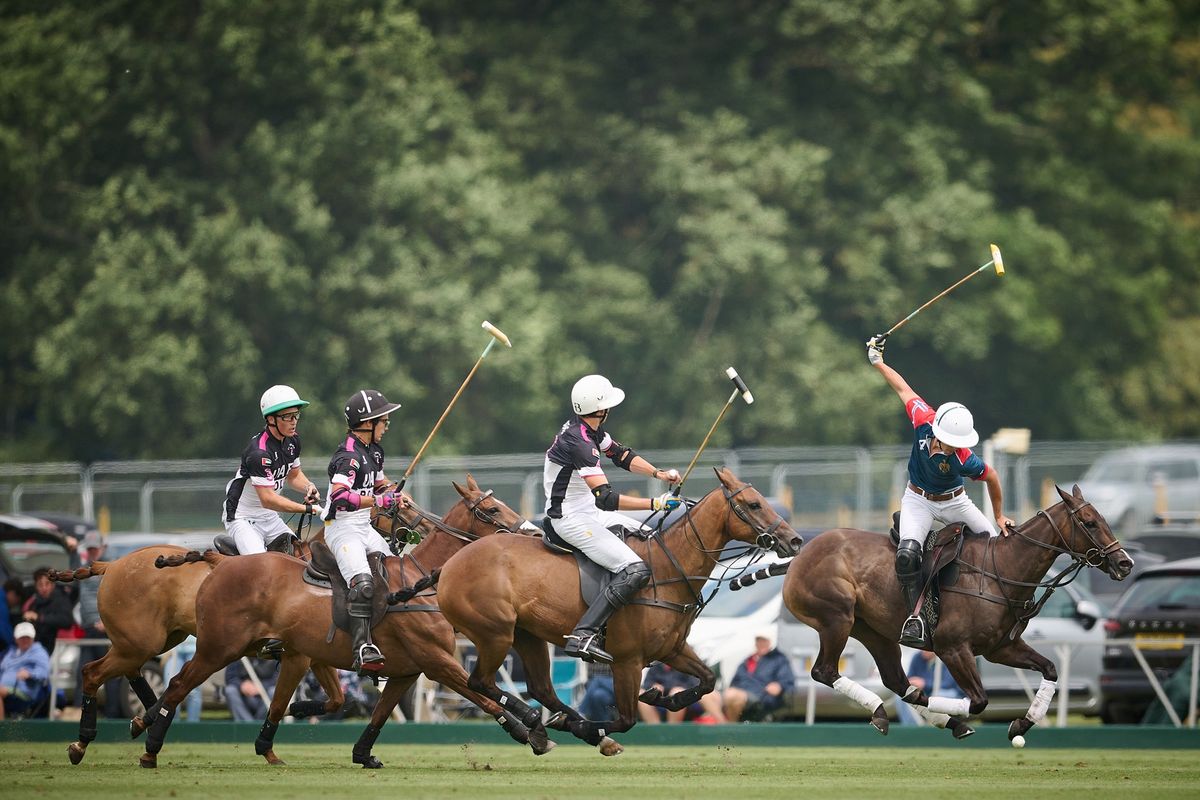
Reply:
x=587, y=647
x=272, y=650
x=912, y=634
x=367, y=660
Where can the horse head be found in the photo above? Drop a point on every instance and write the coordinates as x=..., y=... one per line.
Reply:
x=480, y=512
x=756, y=522
x=1090, y=538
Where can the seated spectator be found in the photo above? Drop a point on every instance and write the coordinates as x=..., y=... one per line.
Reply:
x=921, y=672
x=49, y=609
x=24, y=673
x=246, y=702
x=178, y=656
x=670, y=681
x=761, y=682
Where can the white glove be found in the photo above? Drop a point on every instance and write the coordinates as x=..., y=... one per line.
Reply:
x=875, y=347
x=665, y=502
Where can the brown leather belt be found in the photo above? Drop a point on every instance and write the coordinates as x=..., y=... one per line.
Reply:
x=937, y=498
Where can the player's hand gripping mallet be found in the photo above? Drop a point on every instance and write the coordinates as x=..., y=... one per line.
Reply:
x=497, y=336
x=997, y=262
x=744, y=391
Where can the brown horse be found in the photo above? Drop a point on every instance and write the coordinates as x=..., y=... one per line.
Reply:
x=844, y=584
x=146, y=612
x=248, y=598
x=505, y=592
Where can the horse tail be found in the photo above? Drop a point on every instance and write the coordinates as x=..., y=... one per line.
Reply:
x=211, y=557
x=81, y=574
x=404, y=595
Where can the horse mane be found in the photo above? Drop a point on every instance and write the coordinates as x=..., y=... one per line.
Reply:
x=211, y=557
x=81, y=574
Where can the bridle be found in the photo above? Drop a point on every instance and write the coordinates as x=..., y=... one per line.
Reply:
x=399, y=524
x=1093, y=556
x=764, y=534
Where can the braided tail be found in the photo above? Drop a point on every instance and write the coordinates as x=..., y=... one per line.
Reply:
x=81, y=574
x=211, y=557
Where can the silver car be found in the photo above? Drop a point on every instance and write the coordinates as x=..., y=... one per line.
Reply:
x=1130, y=485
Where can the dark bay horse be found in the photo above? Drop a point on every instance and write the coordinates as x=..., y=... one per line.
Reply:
x=507, y=592
x=247, y=598
x=844, y=584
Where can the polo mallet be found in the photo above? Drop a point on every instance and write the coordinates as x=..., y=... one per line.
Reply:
x=997, y=261
x=744, y=391
x=497, y=336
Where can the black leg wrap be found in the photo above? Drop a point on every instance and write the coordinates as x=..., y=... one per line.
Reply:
x=266, y=738
x=590, y=732
x=527, y=715
x=307, y=708
x=362, y=748
x=87, y=720
x=157, y=733
x=513, y=727
x=142, y=689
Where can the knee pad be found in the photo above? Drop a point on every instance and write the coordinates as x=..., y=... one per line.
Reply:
x=635, y=575
x=908, y=558
x=362, y=587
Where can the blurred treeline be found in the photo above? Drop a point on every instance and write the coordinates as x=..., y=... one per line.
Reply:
x=200, y=199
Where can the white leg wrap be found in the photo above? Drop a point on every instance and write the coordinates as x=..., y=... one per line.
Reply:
x=955, y=707
x=1041, y=701
x=932, y=717
x=859, y=694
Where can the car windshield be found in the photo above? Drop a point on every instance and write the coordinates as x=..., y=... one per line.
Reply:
x=1113, y=471
x=743, y=602
x=24, y=557
x=1159, y=592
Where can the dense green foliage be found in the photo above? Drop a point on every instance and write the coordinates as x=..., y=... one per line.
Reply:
x=202, y=199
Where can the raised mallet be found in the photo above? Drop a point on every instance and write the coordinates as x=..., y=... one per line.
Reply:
x=740, y=388
x=497, y=336
x=997, y=262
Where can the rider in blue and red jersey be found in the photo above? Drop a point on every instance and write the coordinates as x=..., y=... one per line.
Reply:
x=941, y=457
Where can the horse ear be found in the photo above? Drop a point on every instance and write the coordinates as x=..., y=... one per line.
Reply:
x=724, y=475
x=465, y=494
x=1066, y=497
x=1076, y=492
x=471, y=484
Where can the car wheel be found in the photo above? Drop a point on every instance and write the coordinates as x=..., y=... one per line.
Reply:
x=131, y=706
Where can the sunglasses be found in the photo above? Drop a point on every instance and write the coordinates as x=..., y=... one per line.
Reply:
x=292, y=417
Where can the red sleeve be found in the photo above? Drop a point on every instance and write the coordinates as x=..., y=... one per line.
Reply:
x=919, y=412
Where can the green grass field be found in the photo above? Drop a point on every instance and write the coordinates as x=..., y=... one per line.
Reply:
x=492, y=771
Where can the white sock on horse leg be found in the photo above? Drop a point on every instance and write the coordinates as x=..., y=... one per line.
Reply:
x=1041, y=701
x=932, y=717
x=859, y=694
x=954, y=706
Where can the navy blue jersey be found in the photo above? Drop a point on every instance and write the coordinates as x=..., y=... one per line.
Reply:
x=937, y=473
x=266, y=461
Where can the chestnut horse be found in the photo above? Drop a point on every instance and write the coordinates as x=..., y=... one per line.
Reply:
x=844, y=584
x=248, y=598
x=506, y=592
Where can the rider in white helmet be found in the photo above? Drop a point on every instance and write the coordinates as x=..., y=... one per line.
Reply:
x=941, y=457
x=581, y=504
x=271, y=458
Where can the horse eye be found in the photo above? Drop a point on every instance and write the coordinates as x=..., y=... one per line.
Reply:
x=755, y=506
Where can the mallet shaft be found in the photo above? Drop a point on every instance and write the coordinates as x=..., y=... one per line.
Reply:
x=704, y=443
x=940, y=295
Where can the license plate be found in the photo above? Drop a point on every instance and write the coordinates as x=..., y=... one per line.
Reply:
x=1158, y=641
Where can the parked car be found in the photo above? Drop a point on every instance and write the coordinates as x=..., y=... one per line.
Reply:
x=1121, y=483
x=68, y=524
x=1173, y=540
x=27, y=544
x=1158, y=612
x=117, y=545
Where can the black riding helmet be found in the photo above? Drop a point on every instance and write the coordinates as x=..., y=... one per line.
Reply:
x=366, y=405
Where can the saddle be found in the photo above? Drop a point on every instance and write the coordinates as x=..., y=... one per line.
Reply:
x=226, y=545
x=938, y=560
x=323, y=572
x=593, y=578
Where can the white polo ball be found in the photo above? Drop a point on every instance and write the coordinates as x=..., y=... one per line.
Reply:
x=1018, y=742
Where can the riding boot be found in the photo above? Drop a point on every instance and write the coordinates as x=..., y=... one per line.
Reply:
x=908, y=572
x=586, y=642
x=368, y=660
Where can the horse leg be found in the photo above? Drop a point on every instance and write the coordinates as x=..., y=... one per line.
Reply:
x=1019, y=654
x=627, y=679
x=960, y=660
x=492, y=644
x=392, y=692
x=95, y=673
x=535, y=656
x=833, y=634
x=292, y=667
x=886, y=653
x=687, y=662
x=206, y=661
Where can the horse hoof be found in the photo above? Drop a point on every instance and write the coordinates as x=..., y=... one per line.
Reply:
x=76, y=751
x=368, y=762
x=610, y=747
x=274, y=760
x=137, y=726
x=539, y=741
x=1018, y=727
x=148, y=761
x=963, y=732
x=550, y=745
x=879, y=721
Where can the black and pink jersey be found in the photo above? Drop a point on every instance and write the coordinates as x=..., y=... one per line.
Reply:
x=575, y=455
x=359, y=466
x=266, y=461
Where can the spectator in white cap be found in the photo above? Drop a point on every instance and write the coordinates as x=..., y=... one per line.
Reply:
x=24, y=672
x=761, y=682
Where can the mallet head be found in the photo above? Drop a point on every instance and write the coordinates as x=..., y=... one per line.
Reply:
x=997, y=259
x=740, y=384
x=499, y=334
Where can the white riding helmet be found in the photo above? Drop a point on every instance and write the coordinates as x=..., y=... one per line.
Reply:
x=278, y=398
x=593, y=393
x=954, y=425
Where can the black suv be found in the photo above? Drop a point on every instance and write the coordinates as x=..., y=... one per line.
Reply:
x=1158, y=612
